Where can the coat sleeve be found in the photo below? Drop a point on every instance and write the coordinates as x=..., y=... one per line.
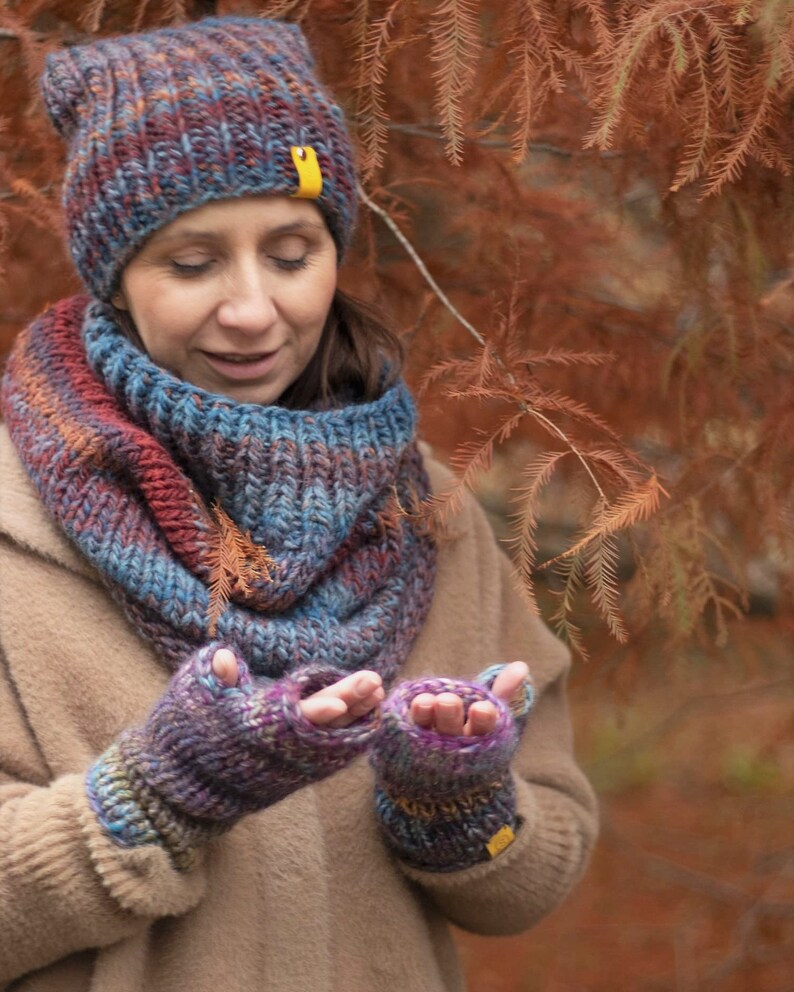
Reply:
x=64, y=887
x=555, y=803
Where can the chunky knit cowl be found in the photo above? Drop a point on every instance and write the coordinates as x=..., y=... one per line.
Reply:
x=140, y=469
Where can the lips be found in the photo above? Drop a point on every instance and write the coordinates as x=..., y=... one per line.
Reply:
x=234, y=365
x=240, y=359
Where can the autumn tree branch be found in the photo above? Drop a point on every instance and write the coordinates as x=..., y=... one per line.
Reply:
x=442, y=296
x=539, y=147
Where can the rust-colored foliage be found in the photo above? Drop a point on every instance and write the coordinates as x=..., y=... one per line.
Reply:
x=580, y=214
x=600, y=192
x=235, y=562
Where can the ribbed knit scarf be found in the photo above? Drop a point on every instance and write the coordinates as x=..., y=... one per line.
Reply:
x=141, y=469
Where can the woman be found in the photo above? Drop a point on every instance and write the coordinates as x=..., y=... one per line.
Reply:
x=239, y=746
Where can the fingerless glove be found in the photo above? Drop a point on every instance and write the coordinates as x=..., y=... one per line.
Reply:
x=208, y=754
x=446, y=802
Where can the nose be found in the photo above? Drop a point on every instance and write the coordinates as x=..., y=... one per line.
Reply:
x=248, y=304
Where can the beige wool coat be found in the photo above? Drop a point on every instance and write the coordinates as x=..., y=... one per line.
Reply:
x=303, y=897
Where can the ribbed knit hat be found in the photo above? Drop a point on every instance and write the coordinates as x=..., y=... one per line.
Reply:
x=161, y=122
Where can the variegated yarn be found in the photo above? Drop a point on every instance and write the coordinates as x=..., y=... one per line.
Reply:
x=127, y=458
x=446, y=802
x=161, y=122
x=209, y=753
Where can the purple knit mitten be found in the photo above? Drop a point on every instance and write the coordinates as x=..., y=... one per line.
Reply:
x=208, y=754
x=446, y=802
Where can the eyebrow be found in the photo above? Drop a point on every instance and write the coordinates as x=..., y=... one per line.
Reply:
x=199, y=234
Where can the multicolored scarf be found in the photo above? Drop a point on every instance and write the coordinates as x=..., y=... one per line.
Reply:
x=279, y=532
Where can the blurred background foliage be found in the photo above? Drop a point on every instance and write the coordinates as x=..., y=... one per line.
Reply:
x=601, y=190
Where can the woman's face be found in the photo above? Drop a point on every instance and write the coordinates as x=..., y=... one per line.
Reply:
x=233, y=296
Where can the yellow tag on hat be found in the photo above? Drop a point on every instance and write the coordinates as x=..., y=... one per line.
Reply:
x=503, y=838
x=310, y=179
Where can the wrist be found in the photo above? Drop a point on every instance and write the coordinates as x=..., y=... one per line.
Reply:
x=437, y=835
x=444, y=802
x=209, y=754
x=133, y=814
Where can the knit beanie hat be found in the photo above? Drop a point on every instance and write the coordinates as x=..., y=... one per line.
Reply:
x=161, y=122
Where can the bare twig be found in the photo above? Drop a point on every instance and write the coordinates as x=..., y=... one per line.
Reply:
x=702, y=882
x=442, y=296
x=697, y=881
x=388, y=220
x=11, y=195
x=692, y=706
x=746, y=944
x=433, y=133
x=751, y=909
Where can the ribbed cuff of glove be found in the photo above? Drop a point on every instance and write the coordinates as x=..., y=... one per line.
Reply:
x=446, y=802
x=208, y=754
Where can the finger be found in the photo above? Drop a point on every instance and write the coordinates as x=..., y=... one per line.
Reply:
x=363, y=706
x=352, y=688
x=507, y=683
x=352, y=697
x=322, y=710
x=423, y=710
x=360, y=709
x=449, y=713
x=482, y=719
x=224, y=666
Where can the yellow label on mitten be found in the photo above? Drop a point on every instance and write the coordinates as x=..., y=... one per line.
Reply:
x=310, y=178
x=503, y=838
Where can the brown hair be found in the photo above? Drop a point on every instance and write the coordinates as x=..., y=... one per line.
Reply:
x=357, y=357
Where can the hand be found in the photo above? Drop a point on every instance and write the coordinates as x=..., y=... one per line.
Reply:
x=336, y=706
x=444, y=713
x=441, y=799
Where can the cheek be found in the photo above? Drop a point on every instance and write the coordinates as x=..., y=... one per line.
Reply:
x=165, y=319
x=315, y=301
x=158, y=333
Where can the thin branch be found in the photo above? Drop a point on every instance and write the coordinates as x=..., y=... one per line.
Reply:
x=692, y=706
x=697, y=881
x=746, y=930
x=719, y=889
x=561, y=434
x=442, y=296
x=540, y=147
x=11, y=195
x=439, y=292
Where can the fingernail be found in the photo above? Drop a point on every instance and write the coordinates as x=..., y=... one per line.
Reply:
x=365, y=685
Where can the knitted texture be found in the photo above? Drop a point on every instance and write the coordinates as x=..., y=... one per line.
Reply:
x=208, y=754
x=441, y=798
x=126, y=457
x=160, y=122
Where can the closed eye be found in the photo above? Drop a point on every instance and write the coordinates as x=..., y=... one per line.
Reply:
x=290, y=264
x=195, y=269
